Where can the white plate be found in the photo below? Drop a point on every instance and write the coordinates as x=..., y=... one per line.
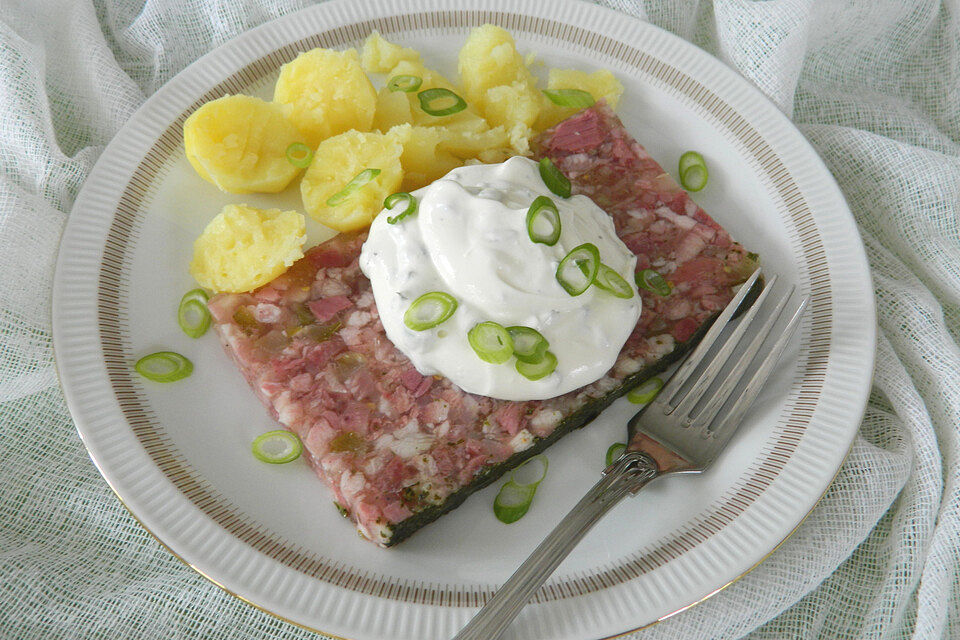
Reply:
x=178, y=455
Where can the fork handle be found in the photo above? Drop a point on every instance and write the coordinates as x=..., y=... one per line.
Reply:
x=627, y=475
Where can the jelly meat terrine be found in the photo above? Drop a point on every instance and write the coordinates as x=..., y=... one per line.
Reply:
x=398, y=449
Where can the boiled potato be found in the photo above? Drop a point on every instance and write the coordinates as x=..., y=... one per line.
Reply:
x=336, y=162
x=488, y=59
x=239, y=144
x=244, y=248
x=600, y=84
x=422, y=159
x=380, y=56
x=325, y=92
x=391, y=102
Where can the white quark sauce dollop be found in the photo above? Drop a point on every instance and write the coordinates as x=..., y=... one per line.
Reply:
x=469, y=239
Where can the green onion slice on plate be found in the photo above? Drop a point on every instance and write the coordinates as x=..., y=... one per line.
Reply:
x=646, y=392
x=578, y=269
x=513, y=500
x=576, y=98
x=299, y=155
x=529, y=345
x=615, y=451
x=164, y=366
x=543, y=221
x=653, y=281
x=432, y=101
x=491, y=342
x=555, y=181
x=276, y=447
x=358, y=181
x=695, y=178
x=192, y=314
x=609, y=280
x=539, y=369
x=430, y=310
x=407, y=84
x=410, y=206
x=689, y=159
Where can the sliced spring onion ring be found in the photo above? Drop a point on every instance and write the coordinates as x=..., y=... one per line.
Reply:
x=653, y=281
x=540, y=369
x=529, y=345
x=392, y=200
x=578, y=269
x=407, y=84
x=430, y=97
x=491, y=342
x=576, y=98
x=277, y=447
x=164, y=366
x=646, y=392
x=195, y=294
x=531, y=472
x=299, y=155
x=695, y=178
x=615, y=451
x=358, y=181
x=513, y=500
x=193, y=317
x=429, y=310
x=555, y=181
x=689, y=159
x=610, y=280
x=543, y=221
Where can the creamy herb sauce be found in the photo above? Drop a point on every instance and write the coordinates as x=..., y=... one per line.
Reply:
x=469, y=239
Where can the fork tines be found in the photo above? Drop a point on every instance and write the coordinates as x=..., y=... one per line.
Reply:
x=680, y=399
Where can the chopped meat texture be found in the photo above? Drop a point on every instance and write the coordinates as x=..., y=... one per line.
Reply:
x=391, y=443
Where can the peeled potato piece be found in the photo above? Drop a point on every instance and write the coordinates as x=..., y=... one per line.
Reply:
x=380, y=56
x=239, y=143
x=422, y=159
x=325, y=92
x=340, y=159
x=599, y=84
x=243, y=248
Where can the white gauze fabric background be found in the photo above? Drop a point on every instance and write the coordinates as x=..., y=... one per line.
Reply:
x=874, y=85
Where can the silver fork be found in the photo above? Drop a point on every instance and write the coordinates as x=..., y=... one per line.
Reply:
x=683, y=430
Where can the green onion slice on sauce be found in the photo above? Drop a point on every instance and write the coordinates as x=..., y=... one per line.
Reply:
x=491, y=342
x=529, y=345
x=653, y=281
x=430, y=310
x=695, y=178
x=646, y=392
x=543, y=221
x=164, y=366
x=555, y=181
x=192, y=314
x=615, y=451
x=277, y=447
x=407, y=84
x=358, y=181
x=540, y=369
x=299, y=155
x=610, y=280
x=432, y=102
x=576, y=98
x=578, y=269
x=513, y=500
x=689, y=159
x=410, y=206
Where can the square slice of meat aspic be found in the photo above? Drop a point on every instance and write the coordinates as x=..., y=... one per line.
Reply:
x=398, y=449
